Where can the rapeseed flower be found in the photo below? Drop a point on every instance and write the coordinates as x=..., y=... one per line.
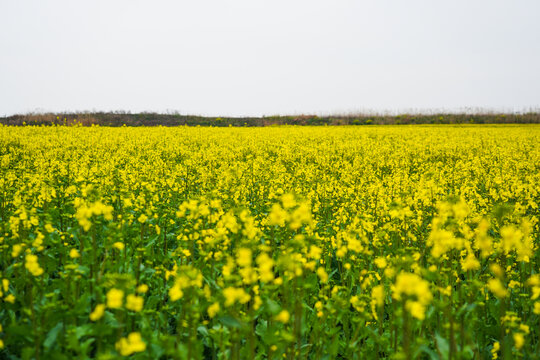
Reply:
x=283, y=316
x=32, y=265
x=115, y=298
x=134, y=302
x=74, y=254
x=213, y=309
x=132, y=344
x=497, y=288
x=98, y=312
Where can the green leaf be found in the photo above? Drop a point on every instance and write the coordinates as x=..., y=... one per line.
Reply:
x=230, y=321
x=442, y=345
x=261, y=328
x=52, y=335
x=20, y=330
x=426, y=350
x=203, y=330
x=27, y=353
x=83, y=331
x=156, y=351
x=85, y=346
x=467, y=352
x=466, y=309
x=84, y=270
x=273, y=307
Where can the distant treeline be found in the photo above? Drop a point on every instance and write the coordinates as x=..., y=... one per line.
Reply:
x=156, y=119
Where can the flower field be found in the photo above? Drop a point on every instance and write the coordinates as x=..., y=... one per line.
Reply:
x=269, y=243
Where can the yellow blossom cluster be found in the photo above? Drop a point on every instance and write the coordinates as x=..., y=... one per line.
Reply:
x=132, y=344
x=415, y=291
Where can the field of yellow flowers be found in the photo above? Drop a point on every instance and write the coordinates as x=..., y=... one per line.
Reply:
x=270, y=243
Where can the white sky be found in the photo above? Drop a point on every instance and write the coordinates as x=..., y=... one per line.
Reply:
x=255, y=57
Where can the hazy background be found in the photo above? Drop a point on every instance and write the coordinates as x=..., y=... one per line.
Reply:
x=254, y=57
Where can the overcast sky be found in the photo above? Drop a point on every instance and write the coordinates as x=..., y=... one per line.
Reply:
x=255, y=57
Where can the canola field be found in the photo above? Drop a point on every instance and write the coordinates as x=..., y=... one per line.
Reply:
x=372, y=242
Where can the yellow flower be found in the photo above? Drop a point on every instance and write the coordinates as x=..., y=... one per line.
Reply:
x=288, y=201
x=175, y=293
x=142, y=289
x=497, y=288
x=470, y=263
x=377, y=294
x=302, y=215
x=73, y=253
x=497, y=270
x=322, y=275
x=413, y=285
x=416, y=309
x=356, y=303
x=32, y=265
x=119, y=245
x=134, y=302
x=277, y=216
x=389, y=272
x=213, y=310
x=1, y=344
x=443, y=241
x=314, y=252
x=243, y=257
x=248, y=275
x=115, y=298
x=524, y=328
x=257, y=302
x=232, y=295
x=511, y=237
x=265, y=267
x=534, y=280
x=519, y=340
x=98, y=312
x=5, y=284
x=10, y=299
x=16, y=250
x=283, y=317
x=537, y=308
x=131, y=345
x=446, y=290
x=377, y=299
x=495, y=350
x=142, y=219
x=535, y=292
x=380, y=262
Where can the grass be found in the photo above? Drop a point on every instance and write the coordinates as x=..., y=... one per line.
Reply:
x=155, y=119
